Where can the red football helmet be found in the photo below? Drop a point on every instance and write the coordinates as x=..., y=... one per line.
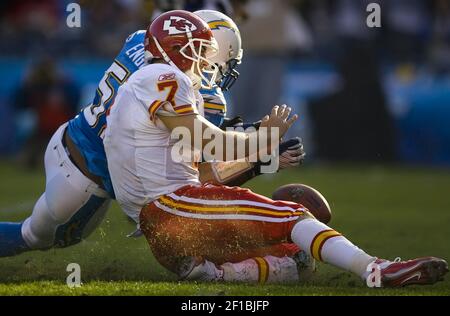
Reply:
x=185, y=41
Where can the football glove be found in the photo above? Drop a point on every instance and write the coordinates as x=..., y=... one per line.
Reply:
x=238, y=122
x=291, y=153
x=231, y=122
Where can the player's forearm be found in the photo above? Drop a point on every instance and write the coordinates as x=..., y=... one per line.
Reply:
x=216, y=144
x=232, y=146
x=231, y=173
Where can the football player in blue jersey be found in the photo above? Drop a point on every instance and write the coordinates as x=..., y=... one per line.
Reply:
x=78, y=189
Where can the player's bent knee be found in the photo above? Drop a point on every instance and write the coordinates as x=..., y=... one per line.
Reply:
x=42, y=231
x=38, y=229
x=82, y=223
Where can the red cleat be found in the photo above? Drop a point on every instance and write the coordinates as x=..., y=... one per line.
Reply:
x=426, y=270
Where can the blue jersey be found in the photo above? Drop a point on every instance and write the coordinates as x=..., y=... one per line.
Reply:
x=215, y=105
x=87, y=128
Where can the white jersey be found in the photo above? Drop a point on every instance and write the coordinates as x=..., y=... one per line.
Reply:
x=138, y=145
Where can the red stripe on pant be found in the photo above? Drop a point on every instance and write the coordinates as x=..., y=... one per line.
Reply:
x=219, y=240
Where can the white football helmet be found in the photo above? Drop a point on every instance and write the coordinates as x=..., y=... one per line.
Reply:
x=230, y=53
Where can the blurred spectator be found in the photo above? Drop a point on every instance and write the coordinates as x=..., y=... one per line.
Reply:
x=40, y=27
x=236, y=9
x=274, y=28
x=273, y=36
x=52, y=98
x=409, y=27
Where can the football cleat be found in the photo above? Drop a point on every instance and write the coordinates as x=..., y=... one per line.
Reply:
x=198, y=269
x=185, y=265
x=306, y=265
x=421, y=271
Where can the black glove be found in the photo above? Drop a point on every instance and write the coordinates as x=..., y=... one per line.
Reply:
x=254, y=124
x=233, y=122
x=238, y=122
x=291, y=153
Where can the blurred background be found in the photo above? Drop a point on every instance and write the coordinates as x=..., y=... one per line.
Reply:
x=363, y=94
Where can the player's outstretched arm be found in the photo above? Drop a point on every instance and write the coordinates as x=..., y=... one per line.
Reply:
x=198, y=127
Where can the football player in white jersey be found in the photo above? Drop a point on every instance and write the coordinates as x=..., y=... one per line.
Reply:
x=283, y=262
x=180, y=216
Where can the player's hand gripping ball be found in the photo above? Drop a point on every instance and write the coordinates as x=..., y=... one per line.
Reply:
x=309, y=197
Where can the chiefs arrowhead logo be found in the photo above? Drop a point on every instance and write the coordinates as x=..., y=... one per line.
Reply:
x=178, y=25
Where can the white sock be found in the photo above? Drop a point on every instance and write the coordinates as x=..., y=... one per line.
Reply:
x=282, y=270
x=261, y=270
x=244, y=271
x=327, y=245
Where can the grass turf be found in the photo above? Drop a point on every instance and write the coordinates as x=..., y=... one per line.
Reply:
x=388, y=211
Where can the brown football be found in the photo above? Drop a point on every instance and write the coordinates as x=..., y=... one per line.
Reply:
x=309, y=197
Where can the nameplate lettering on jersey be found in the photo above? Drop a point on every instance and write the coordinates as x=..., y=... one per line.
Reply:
x=137, y=54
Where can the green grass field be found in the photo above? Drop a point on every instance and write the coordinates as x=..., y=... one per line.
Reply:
x=387, y=211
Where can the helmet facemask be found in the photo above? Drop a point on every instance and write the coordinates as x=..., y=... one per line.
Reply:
x=200, y=52
x=203, y=72
x=228, y=74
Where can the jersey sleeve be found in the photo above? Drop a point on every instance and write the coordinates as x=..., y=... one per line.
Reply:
x=214, y=99
x=215, y=105
x=167, y=94
x=138, y=35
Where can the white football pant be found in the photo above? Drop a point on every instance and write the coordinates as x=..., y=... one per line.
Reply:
x=72, y=205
